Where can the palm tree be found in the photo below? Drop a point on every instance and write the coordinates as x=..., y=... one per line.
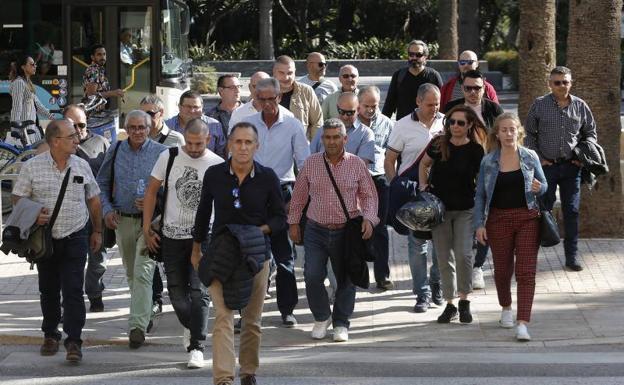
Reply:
x=537, y=50
x=594, y=57
x=469, y=26
x=447, y=29
x=266, y=29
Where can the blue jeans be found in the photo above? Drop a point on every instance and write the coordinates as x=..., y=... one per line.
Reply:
x=319, y=245
x=568, y=177
x=284, y=256
x=417, y=254
x=381, y=237
x=96, y=267
x=189, y=297
x=63, y=273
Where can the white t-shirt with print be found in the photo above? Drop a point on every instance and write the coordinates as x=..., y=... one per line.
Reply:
x=185, y=185
x=410, y=137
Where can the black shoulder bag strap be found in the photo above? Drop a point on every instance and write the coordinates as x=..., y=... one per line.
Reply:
x=162, y=138
x=59, y=199
x=112, y=173
x=315, y=85
x=331, y=176
x=173, y=152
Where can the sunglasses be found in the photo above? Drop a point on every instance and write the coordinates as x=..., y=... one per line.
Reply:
x=472, y=88
x=416, y=54
x=345, y=112
x=460, y=123
x=80, y=125
x=561, y=82
x=347, y=76
x=321, y=64
x=152, y=113
x=464, y=62
x=236, y=196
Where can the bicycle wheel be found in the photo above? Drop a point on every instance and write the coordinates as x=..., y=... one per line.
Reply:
x=8, y=155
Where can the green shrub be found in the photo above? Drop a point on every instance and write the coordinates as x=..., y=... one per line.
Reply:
x=505, y=62
x=204, y=79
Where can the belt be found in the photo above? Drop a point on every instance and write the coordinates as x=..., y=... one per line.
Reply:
x=128, y=215
x=560, y=160
x=329, y=226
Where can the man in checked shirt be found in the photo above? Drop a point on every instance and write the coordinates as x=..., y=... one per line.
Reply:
x=324, y=233
x=556, y=123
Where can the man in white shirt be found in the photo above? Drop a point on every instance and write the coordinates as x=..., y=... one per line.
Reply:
x=316, y=66
x=183, y=185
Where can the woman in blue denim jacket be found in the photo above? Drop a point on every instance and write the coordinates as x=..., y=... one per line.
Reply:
x=506, y=216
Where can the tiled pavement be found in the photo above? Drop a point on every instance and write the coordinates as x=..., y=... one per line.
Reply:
x=570, y=308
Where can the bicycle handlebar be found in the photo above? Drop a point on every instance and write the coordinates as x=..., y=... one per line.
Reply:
x=22, y=123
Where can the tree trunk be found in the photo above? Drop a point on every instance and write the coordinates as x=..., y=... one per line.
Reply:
x=537, y=51
x=594, y=58
x=344, y=21
x=469, y=26
x=266, y=29
x=447, y=29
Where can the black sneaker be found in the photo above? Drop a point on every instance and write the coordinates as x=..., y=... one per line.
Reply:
x=97, y=305
x=384, y=285
x=136, y=338
x=436, y=294
x=289, y=321
x=422, y=305
x=465, y=316
x=574, y=266
x=449, y=314
x=248, y=380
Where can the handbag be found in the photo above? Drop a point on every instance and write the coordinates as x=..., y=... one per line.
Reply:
x=109, y=239
x=157, y=225
x=40, y=245
x=357, y=251
x=549, y=229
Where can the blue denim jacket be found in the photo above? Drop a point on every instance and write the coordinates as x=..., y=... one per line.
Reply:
x=488, y=172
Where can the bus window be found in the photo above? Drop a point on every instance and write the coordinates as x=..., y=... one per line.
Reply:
x=174, y=39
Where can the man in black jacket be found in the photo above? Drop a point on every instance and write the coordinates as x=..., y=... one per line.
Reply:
x=244, y=193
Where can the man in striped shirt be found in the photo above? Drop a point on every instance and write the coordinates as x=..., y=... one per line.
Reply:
x=324, y=234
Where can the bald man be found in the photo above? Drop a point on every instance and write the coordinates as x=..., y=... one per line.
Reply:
x=452, y=90
x=349, y=79
x=315, y=78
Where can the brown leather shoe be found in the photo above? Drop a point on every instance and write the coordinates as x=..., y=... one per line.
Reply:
x=74, y=353
x=50, y=347
x=248, y=380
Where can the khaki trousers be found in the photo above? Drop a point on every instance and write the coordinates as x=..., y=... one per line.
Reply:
x=223, y=352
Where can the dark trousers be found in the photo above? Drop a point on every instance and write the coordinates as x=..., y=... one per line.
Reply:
x=568, y=177
x=96, y=267
x=380, y=232
x=188, y=295
x=63, y=273
x=157, y=286
x=283, y=254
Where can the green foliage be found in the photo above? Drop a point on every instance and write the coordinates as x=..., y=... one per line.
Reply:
x=244, y=50
x=505, y=62
x=204, y=79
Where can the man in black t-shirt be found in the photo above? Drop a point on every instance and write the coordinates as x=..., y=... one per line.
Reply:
x=405, y=82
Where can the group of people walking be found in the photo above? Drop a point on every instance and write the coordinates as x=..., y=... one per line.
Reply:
x=221, y=199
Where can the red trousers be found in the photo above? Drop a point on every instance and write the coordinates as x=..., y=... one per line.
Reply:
x=514, y=232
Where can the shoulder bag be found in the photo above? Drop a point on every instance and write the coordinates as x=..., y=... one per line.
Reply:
x=108, y=235
x=549, y=229
x=157, y=225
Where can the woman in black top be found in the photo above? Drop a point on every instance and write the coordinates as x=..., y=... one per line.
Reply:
x=452, y=162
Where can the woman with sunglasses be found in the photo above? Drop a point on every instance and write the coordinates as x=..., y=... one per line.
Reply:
x=451, y=165
x=507, y=216
x=25, y=103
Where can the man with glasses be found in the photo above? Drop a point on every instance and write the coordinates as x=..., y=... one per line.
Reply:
x=134, y=160
x=92, y=149
x=406, y=81
x=281, y=140
x=229, y=88
x=40, y=181
x=349, y=79
x=452, y=89
x=243, y=192
x=155, y=108
x=317, y=66
x=473, y=87
x=297, y=97
x=555, y=125
x=191, y=107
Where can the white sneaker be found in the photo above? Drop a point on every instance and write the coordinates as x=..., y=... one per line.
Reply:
x=506, y=319
x=186, y=338
x=319, y=330
x=477, y=278
x=196, y=359
x=341, y=334
x=522, y=334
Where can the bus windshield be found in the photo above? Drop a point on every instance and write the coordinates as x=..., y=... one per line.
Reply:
x=175, y=18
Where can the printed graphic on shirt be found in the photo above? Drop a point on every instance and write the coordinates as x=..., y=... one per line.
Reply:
x=188, y=191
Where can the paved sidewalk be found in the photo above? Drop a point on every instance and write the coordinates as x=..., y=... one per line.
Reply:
x=570, y=308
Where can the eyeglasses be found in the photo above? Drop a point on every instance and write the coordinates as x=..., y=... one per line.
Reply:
x=233, y=87
x=345, y=112
x=460, y=123
x=74, y=136
x=559, y=83
x=266, y=100
x=136, y=128
x=321, y=64
x=236, y=196
x=416, y=54
x=472, y=88
x=80, y=125
x=464, y=62
x=152, y=113
x=347, y=76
